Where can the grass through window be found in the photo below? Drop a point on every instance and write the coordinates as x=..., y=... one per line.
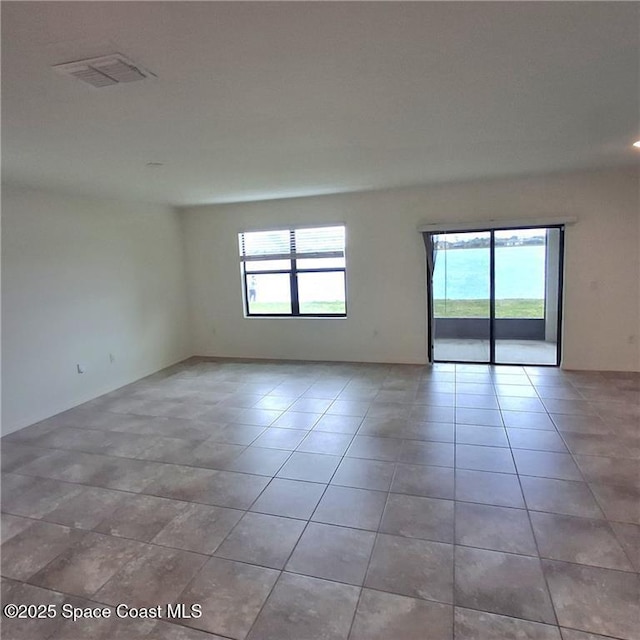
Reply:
x=511, y=308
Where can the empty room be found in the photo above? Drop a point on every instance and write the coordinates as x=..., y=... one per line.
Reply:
x=320, y=321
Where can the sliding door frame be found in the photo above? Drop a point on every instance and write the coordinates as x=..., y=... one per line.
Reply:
x=559, y=336
x=492, y=296
x=492, y=300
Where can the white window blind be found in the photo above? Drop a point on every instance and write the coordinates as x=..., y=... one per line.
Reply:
x=317, y=242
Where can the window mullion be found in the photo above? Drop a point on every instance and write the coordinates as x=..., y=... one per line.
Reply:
x=295, y=302
x=246, y=291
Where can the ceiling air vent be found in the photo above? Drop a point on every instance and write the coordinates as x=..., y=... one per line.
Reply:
x=104, y=71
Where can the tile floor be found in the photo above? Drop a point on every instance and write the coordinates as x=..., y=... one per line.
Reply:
x=332, y=501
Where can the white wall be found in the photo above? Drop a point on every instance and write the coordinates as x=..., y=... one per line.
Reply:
x=82, y=278
x=386, y=268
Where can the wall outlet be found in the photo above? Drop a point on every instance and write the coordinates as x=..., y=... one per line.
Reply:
x=112, y=358
x=80, y=368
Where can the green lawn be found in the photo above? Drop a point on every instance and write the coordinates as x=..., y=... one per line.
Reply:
x=513, y=308
x=268, y=308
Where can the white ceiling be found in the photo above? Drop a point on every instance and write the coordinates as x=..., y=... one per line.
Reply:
x=262, y=100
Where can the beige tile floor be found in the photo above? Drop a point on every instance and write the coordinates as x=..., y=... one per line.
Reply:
x=331, y=501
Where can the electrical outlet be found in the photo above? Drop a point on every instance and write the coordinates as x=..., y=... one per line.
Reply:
x=112, y=358
x=80, y=368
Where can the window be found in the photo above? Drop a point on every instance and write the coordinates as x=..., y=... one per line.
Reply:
x=294, y=272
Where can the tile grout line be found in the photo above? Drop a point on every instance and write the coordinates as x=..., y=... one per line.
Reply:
x=535, y=540
x=308, y=522
x=605, y=518
x=218, y=546
x=294, y=548
x=455, y=503
x=373, y=547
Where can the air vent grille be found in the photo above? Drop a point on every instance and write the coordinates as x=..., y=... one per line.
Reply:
x=93, y=77
x=104, y=71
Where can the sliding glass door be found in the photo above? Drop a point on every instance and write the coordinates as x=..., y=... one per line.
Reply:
x=462, y=297
x=527, y=278
x=495, y=296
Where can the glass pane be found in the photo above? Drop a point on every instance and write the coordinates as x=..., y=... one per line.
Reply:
x=269, y=293
x=320, y=263
x=461, y=290
x=520, y=271
x=267, y=265
x=527, y=263
x=263, y=243
x=322, y=292
x=320, y=239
